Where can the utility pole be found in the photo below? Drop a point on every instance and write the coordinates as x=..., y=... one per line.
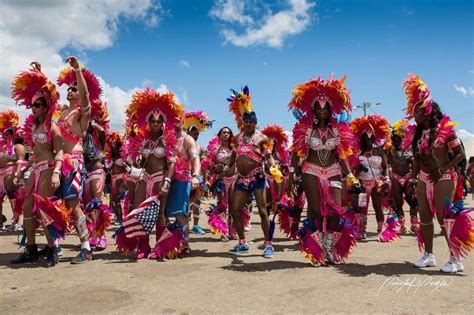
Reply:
x=366, y=105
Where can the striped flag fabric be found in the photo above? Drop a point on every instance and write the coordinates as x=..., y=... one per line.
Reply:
x=140, y=222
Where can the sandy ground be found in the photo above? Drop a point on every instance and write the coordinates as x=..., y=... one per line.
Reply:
x=377, y=278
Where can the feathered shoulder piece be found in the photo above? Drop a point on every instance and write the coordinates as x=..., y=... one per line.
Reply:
x=68, y=76
x=239, y=103
x=371, y=124
x=278, y=139
x=416, y=92
x=331, y=90
x=198, y=119
x=445, y=130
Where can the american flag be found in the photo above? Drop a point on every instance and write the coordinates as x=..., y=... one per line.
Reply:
x=140, y=222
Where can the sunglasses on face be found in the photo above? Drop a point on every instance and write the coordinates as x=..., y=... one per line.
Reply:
x=225, y=132
x=37, y=105
x=72, y=89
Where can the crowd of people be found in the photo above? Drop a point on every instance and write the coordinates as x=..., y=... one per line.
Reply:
x=58, y=166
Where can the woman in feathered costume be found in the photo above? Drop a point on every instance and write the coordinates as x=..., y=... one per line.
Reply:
x=431, y=140
x=83, y=90
x=252, y=151
x=194, y=124
x=12, y=158
x=371, y=133
x=155, y=116
x=279, y=146
x=400, y=161
x=31, y=88
x=98, y=213
x=220, y=151
x=117, y=168
x=324, y=145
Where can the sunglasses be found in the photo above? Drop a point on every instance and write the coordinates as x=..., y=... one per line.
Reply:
x=72, y=89
x=37, y=105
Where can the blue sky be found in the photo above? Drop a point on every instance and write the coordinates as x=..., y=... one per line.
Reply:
x=376, y=43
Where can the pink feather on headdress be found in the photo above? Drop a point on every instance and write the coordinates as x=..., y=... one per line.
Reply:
x=279, y=138
x=68, y=76
x=333, y=90
x=376, y=124
x=30, y=85
x=417, y=92
x=9, y=119
x=33, y=82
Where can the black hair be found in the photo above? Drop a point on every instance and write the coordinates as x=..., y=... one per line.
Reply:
x=433, y=118
x=231, y=138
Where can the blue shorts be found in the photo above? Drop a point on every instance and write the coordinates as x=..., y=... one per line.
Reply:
x=177, y=202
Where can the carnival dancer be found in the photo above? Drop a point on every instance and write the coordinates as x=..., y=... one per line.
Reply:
x=32, y=89
x=324, y=145
x=279, y=148
x=431, y=139
x=98, y=213
x=186, y=178
x=154, y=116
x=194, y=124
x=83, y=89
x=12, y=158
x=400, y=162
x=221, y=150
x=252, y=152
x=117, y=169
x=371, y=132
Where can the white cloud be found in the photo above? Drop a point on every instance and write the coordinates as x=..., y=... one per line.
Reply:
x=468, y=141
x=272, y=28
x=185, y=63
x=469, y=91
x=41, y=30
x=231, y=11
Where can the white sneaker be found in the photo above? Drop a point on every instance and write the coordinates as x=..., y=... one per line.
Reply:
x=454, y=265
x=428, y=260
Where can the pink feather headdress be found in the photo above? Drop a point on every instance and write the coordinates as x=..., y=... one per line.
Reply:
x=68, y=76
x=375, y=124
x=332, y=90
x=417, y=92
x=279, y=139
x=26, y=88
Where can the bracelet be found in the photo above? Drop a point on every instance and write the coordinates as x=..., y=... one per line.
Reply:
x=195, y=175
x=386, y=179
x=413, y=180
x=59, y=159
x=167, y=180
x=56, y=171
x=226, y=168
x=292, y=170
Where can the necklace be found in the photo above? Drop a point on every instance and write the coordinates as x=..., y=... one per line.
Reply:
x=248, y=138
